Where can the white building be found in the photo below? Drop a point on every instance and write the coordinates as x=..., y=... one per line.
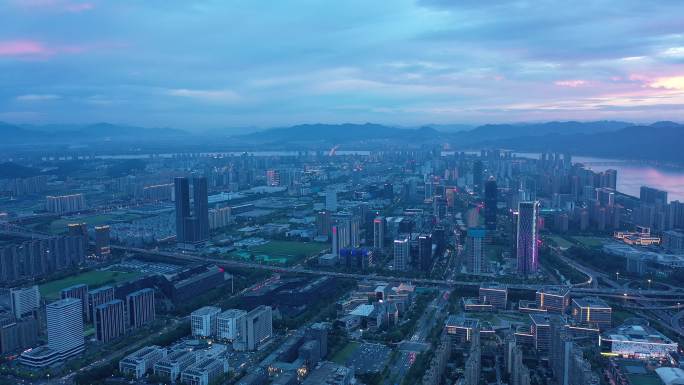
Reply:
x=141, y=361
x=203, y=321
x=232, y=326
x=25, y=301
x=65, y=326
x=204, y=372
x=259, y=326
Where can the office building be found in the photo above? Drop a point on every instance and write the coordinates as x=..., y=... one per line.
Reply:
x=204, y=372
x=494, y=294
x=64, y=320
x=461, y=329
x=232, y=326
x=220, y=218
x=174, y=363
x=475, y=251
x=25, y=301
x=97, y=297
x=477, y=176
x=192, y=223
x=140, y=362
x=401, y=254
x=592, y=311
x=541, y=332
x=330, y=374
x=425, y=252
x=110, y=320
x=490, y=201
x=259, y=326
x=554, y=299
x=323, y=223
x=102, y=241
x=79, y=291
x=65, y=203
x=203, y=321
x=140, y=307
x=379, y=233
x=527, y=238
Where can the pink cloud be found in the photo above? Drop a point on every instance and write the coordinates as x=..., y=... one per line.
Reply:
x=570, y=83
x=22, y=48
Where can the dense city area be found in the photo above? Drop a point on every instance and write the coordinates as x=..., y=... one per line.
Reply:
x=336, y=267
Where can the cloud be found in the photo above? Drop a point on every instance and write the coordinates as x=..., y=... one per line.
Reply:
x=214, y=96
x=22, y=48
x=670, y=83
x=571, y=83
x=37, y=97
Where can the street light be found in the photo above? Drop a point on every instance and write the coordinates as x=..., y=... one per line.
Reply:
x=617, y=275
x=649, y=284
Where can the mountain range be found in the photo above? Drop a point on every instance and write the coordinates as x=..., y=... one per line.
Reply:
x=660, y=141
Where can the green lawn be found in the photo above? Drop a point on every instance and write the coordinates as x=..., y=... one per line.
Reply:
x=590, y=241
x=289, y=248
x=560, y=241
x=343, y=355
x=60, y=225
x=93, y=279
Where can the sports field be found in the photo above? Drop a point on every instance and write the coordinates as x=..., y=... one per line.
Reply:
x=93, y=279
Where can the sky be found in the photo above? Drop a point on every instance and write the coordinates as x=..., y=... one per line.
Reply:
x=223, y=63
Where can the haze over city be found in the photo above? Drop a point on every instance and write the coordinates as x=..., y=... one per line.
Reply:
x=423, y=192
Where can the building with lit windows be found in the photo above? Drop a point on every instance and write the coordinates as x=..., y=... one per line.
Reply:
x=592, y=311
x=554, y=299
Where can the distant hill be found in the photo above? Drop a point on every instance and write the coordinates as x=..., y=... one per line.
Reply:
x=83, y=134
x=660, y=141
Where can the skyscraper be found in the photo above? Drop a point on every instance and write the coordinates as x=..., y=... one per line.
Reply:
x=102, y=242
x=97, y=297
x=425, y=252
x=477, y=176
x=182, y=196
x=401, y=254
x=475, y=245
x=491, y=198
x=652, y=195
x=379, y=233
x=65, y=327
x=331, y=200
x=259, y=326
x=191, y=225
x=110, y=321
x=25, y=301
x=140, y=307
x=201, y=206
x=527, y=237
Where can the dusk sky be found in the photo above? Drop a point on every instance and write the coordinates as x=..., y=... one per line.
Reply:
x=209, y=64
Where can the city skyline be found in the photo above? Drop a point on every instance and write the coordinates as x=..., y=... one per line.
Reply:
x=216, y=65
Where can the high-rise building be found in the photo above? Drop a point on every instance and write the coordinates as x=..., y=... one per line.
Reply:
x=652, y=195
x=192, y=226
x=401, y=254
x=110, y=320
x=424, y=252
x=140, y=307
x=97, y=297
x=79, y=291
x=379, y=233
x=201, y=206
x=331, y=200
x=25, y=301
x=477, y=176
x=65, y=203
x=491, y=199
x=203, y=321
x=102, y=240
x=182, y=197
x=527, y=238
x=259, y=326
x=323, y=222
x=17, y=335
x=475, y=249
x=65, y=327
